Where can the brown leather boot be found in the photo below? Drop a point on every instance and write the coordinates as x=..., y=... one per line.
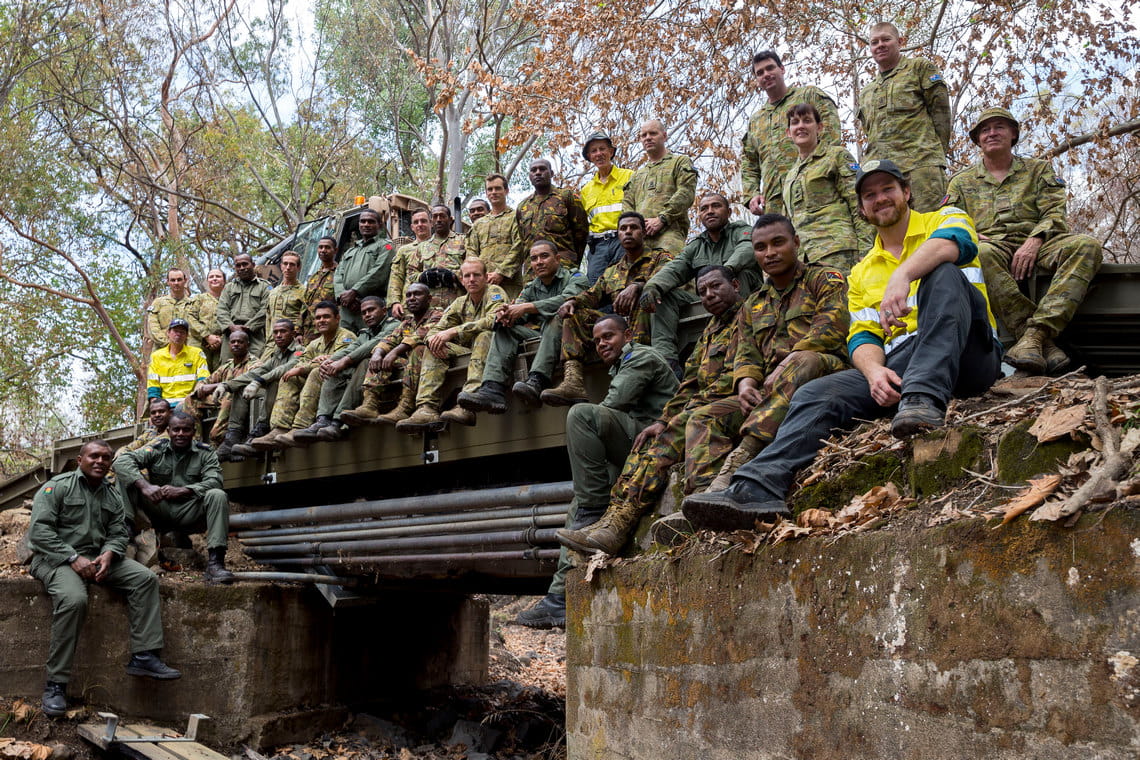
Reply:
x=609, y=534
x=423, y=418
x=742, y=454
x=572, y=389
x=1026, y=354
x=365, y=414
x=1055, y=359
x=459, y=416
x=404, y=408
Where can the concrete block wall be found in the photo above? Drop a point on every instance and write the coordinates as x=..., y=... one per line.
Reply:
x=961, y=642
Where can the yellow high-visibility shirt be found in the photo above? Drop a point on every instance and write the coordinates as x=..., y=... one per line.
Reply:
x=173, y=377
x=602, y=200
x=869, y=277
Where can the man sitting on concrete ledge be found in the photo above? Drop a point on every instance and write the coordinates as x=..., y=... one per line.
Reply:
x=78, y=536
x=921, y=332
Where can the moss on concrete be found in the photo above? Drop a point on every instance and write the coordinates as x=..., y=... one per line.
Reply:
x=1020, y=456
x=941, y=458
x=834, y=492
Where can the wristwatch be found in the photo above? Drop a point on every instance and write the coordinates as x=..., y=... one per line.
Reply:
x=73, y=557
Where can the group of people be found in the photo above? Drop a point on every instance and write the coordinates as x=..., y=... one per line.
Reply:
x=862, y=290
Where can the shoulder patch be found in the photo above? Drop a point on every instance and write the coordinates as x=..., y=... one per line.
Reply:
x=951, y=211
x=833, y=275
x=935, y=77
x=49, y=489
x=1058, y=182
x=576, y=273
x=203, y=446
x=496, y=296
x=945, y=200
x=853, y=167
x=387, y=246
x=347, y=340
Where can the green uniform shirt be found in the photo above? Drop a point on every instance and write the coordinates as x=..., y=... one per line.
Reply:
x=161, y=311
x=366, y=340
x=664, y=189
x=492, y=240
x=285, y=302
x=905, y=113
x=70, y=517
x=819, y=198
x=1029, y=202
x=434, y=253
x=708, y=372
x=320, y=347
x=195, y=468
x=470, y=318
x=768, y=153
x=565, y=284
x=620, y=276
x=412, y=331
x=365, y=268
x=808, y=315
x=641, y=384
x=269, y=368
x=242, y=303
x=559, y=218
x=733, y=250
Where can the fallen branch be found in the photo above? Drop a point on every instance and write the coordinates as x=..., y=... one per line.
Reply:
x=1021, y=399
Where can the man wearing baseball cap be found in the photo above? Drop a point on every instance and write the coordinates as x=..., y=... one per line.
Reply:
x=175, y=368
x=921, y=332
x=601, y=197
x=1018, y=205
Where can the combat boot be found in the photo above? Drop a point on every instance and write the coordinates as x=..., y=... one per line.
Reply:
x=268, y=442
x=404, y=408
x=310, y=434
x=216, y=571
x=244, y=449
x=547, y=612
x=333, y=432
x=149, y=664
x=1026, y=353
x=424, y=417
x=608, y=534
x=529, y=391
x=1055, y=359
x=459, y=416
x=572, y=389
x=54, y=701
x=365, y=414
x=225, y=451
x=742, y=454
x=285, y=441
x=491, y=397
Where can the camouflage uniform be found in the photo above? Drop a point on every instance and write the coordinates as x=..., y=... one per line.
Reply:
x=492, y=240
x=733, y=250
x=265, y=372
x=319, y=287
x=285, y=302
x=149, y=435
x=473, y=322
x=364, y=268
x=819, y=198
x=768, y=153
x=242, y=303
x=412, y=333
x=545, y=325
x=559, y=218
x=809, y=315
x=578, y=329
x=664, y=189
x=343, y=391
x=228, y=371
x=599, y=436
x=433, y=253
x=158, y=315
x=905, y=113
x=297, y=397
x=200, y=315
x=1029, y=202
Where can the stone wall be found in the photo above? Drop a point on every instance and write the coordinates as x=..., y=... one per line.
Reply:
x=268, y=663
x=963, y=641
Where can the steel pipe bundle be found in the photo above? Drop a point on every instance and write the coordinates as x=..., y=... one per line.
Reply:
x=455, y=560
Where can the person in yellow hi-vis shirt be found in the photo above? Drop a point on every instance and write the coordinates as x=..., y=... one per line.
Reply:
x=921, y=332
x=176, y=368
x=601, y=197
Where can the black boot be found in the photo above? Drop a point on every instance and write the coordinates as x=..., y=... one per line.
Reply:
x=150, y=665
x=491, y=397
x=310, y=434
x=225, y=451
x=548, y=612
x=54, y=702
x=216, y=571
x=530, y=390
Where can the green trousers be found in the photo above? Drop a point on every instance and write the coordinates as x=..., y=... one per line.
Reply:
x=342, y=391
x=210, y=511
x=505, y=348
x=69, y=608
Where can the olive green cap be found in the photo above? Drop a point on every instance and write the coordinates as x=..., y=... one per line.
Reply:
x=597, y=136
x=995, y=113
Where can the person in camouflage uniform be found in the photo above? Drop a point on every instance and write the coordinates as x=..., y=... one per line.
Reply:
x=176, y=305
x=1018, y=206
x=211, y=391
x=492, y=239
x=465, y=329
x=445, y=249
x=299, y=390
x=819, y=196
x=662, y=191
x=551, y=213
x=364, y=269
x=402, y=352
x=158, y=416
x=342, y=376
x=242, y=306
x=287, y=299
x=621, y=287
x=201, y=316
x=319, y=287
x=767, y=155
x=532, y=315
x=905, y=115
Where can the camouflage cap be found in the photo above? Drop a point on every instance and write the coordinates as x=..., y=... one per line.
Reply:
x=995, y=113
x=597, y=136
x=879, y=165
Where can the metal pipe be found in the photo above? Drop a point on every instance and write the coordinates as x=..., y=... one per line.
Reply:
x=529, y=536
x=543, y=521
x=329, y=580
x=399, y=522
x=513, y=496
x=405, y=559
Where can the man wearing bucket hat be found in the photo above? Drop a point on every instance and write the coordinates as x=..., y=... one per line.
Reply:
x=1018, y=206
x=920, y=333
x=601, y=197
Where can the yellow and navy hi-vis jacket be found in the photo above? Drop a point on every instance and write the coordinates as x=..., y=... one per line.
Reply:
x=174, y=377
x=869, y=278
